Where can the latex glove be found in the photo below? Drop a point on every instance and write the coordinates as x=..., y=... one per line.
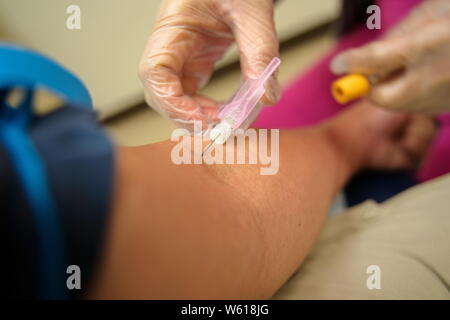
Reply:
x=189, y=37
x=411, y=64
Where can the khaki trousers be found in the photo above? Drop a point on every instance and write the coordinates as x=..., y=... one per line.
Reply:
x=399, y=249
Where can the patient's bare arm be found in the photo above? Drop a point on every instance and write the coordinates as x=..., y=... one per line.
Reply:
x=225, y=231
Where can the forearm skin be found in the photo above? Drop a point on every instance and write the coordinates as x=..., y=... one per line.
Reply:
x=220, y=231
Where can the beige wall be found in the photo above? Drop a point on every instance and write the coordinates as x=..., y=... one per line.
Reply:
x=106, y=51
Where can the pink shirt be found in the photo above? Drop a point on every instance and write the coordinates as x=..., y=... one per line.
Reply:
x=307, y=100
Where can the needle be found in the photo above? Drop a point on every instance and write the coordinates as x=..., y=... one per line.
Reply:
x=208, y=147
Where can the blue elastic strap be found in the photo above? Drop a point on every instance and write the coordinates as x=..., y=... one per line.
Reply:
x=27, y=70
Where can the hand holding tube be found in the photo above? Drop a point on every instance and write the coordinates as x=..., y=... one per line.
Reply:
x=411, y=65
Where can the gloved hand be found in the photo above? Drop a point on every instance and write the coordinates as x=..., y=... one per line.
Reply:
x=189, y=37
x=411, y=65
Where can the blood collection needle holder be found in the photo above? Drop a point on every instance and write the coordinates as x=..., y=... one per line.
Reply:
x=236, y=113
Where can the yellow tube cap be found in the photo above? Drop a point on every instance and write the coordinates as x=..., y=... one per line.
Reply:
x=350, y=87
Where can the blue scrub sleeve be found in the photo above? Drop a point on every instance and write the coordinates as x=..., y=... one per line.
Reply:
x=79, y=163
